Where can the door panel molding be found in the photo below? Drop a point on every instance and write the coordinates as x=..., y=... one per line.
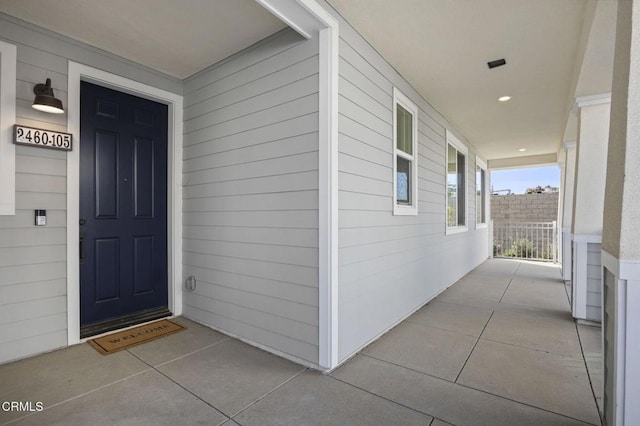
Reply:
x=107, y=268
x=78, y=72
x=117, y=155
x=106, y=152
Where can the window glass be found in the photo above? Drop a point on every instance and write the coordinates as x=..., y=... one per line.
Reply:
x=480, y=195
x=461, y=190
x=452, y=186
x=403, y=181
x=405, y=160
x=456, y=199
x=404, y=129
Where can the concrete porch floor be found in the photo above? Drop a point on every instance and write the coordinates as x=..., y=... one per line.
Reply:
x=499, y=347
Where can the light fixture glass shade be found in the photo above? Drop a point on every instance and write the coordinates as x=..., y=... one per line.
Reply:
x=45, y=100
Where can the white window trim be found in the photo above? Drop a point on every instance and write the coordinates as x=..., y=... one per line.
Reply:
x=7, y=120
x=399, y=209
x=483, y=165
x=457, y=144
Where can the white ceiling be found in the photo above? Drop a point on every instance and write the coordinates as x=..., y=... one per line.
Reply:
x=555, y=50
x=442, y=47
x=178, y=37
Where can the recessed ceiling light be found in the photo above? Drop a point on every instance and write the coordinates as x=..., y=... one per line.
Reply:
x=522, y=149
x=504, y=98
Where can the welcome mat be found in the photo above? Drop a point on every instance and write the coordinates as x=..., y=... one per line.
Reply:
x=134, y=336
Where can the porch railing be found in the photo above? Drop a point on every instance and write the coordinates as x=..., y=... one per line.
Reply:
x=526, y=240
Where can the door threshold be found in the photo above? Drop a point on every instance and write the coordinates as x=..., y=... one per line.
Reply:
x=124, y=322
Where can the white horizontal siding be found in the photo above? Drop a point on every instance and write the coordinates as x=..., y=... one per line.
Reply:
x=286, y=182
x=297, y=145
x=292, y=237
x=285, y=255
x=258, y=100
x=35, y=344
x=390, y=265
x=285, y=164
x=304, y=105
x=35, y=325
x=258, y=284
x=302, y=200
x=23, y=292
x=303, y=219
x=251, y=195
x=250, y=325
x=297, y=126
x=594, y=282
x=33, y=287
x=33, y=259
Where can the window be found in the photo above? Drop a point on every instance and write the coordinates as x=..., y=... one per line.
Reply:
x=405, y=155
x=456, y=185
x=481, y=193
x=7, y=120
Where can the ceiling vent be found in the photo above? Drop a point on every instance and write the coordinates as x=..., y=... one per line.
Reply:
x=496, y=63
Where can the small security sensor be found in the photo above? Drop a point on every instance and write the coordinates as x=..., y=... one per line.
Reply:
x=41, y=217
x=190, y=283
x=496, y=63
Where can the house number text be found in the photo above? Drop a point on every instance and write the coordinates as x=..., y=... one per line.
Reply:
x=42, y=138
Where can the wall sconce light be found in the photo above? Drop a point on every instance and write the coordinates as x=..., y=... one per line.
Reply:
x=45, y=101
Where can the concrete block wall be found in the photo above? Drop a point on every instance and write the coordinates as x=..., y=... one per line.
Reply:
x=541, y=207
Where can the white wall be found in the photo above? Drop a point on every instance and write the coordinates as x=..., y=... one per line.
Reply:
x=391, y=265
x=569, y=184
x=591, y=160
x=569, y=151
x=251, y=200
x=251, y=195
x=33, y=306
x=621, y=234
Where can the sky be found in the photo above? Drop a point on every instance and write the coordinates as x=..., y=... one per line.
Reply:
x=518, y=180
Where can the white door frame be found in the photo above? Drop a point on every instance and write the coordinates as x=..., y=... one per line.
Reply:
x=78, y=73
x=8, y=63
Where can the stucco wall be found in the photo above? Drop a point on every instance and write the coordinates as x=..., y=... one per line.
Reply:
x=622, y=199
x=525, y=207
x=590, y=171
x=612, y=219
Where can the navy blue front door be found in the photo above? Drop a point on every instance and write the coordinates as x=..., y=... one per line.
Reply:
x=123, y=205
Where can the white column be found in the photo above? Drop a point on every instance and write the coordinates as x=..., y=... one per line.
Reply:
x=569, y=150
x=588, y=202
x=561, y=160
x=621, y=232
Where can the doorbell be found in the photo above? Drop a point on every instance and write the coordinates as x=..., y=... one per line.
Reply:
x=41, y=217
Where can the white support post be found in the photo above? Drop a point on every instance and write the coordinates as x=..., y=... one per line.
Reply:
x=579, y=281
x=569, y=149
x=588, y=199
x=621, y=234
